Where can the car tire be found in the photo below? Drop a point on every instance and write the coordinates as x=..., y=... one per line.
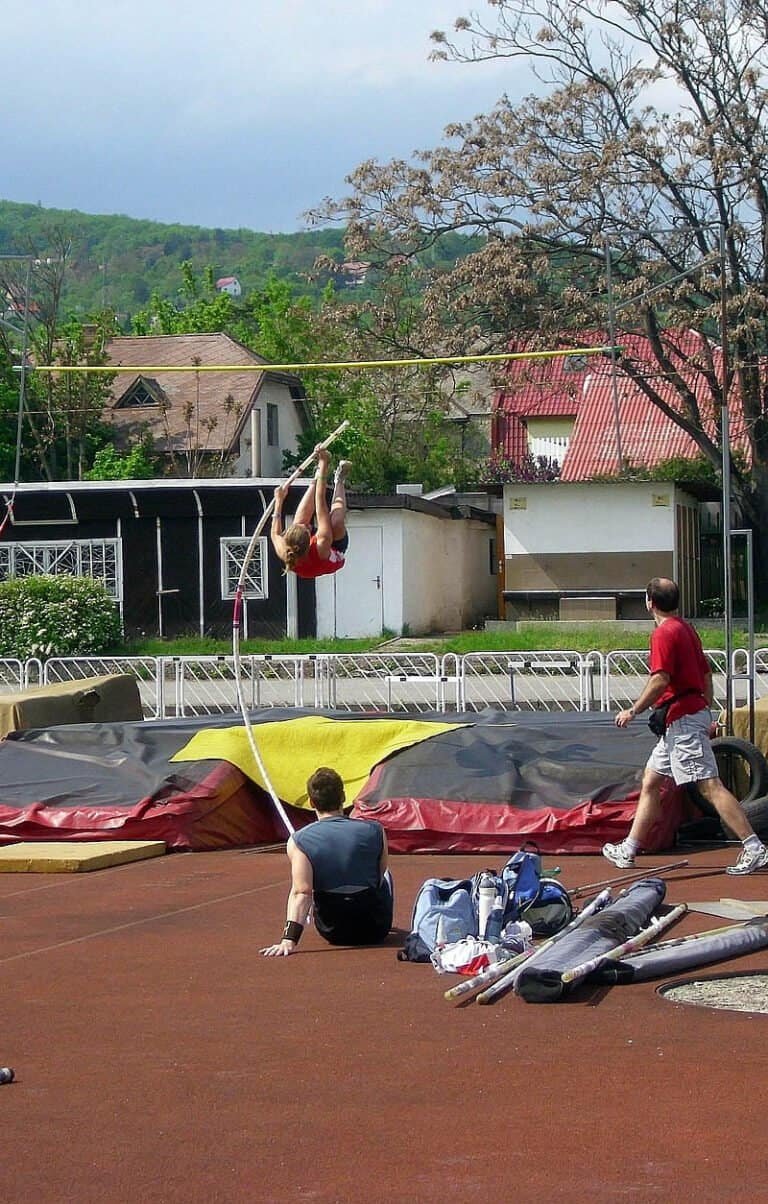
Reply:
x=726, y=750
x=756, y=811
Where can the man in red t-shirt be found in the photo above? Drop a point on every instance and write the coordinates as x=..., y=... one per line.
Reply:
x=680, y=675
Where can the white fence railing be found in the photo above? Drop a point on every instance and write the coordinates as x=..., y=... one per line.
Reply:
x=551, y=447
x=380, y=682
x=18, y=675
x=531, y=681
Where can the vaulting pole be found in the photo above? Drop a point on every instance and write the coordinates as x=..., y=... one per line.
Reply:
x=236, y=617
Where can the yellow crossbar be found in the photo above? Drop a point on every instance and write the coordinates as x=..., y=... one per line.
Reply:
x=327, y=367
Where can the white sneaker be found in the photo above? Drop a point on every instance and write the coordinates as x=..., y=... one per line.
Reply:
x=342, y=471
x=749, y=861
x=617, y=854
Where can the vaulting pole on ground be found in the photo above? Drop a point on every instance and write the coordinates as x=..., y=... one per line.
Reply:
x=650, y=872
x=644, y=937
x=674, y=942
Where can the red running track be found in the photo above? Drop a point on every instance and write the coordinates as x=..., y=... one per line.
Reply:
x=159, y=1058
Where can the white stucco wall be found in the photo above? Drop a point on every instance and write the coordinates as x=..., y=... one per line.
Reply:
x=636, y=516
x=289, y=429
x=447, y=583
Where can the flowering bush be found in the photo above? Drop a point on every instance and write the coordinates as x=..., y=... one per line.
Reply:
x=56, y=616
x=499, y=470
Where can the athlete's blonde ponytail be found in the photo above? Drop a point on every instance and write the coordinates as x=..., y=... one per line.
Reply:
x=296, y=541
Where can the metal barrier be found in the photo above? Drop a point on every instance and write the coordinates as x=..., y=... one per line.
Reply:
x=597, y=690
x=148, y=671
x=761, y=672
x=34, y=674
x=13, y=674
x=626, y=673
x=453, y=682
x=531, y=681
x=376, y=682
x=205, y=685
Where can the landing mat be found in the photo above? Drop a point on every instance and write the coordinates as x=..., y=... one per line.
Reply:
x=71, y=857
x=481, y=782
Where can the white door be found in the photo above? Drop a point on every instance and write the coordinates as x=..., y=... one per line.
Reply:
x=357, y=591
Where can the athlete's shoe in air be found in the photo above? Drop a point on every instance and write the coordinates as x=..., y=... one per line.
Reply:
x=342, y=471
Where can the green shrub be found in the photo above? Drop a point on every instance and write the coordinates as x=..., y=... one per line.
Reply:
x=56, y=616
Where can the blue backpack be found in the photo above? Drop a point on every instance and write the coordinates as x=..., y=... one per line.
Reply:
x=550, y=910
x=447, y=909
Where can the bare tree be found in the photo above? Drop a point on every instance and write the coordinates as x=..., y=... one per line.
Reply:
x=647, y=134
x=62, y=410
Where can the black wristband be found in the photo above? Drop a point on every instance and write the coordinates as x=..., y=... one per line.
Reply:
x=293, y=931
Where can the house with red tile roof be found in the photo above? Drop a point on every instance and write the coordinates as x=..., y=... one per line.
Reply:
x=585, y=545
x=534, y=414
x=229, y=284
x=236, y=421
x=594, y=419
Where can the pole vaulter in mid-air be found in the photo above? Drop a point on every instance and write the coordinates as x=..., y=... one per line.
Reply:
x=316, y=542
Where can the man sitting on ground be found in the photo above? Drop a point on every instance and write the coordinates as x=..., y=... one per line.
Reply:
x=339, y=866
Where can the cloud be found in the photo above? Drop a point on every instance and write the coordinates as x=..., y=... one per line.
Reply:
x=223, y=114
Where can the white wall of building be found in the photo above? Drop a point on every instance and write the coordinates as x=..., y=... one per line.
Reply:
x=256, y=457
x=636, y=516
x=447, y=581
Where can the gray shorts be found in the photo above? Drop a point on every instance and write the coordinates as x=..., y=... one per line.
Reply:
x=684, y=752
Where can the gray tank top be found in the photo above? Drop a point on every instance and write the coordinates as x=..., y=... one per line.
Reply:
x=343, y=852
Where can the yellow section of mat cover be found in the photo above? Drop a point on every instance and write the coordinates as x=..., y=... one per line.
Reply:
x=292, y=749
x=73, y=856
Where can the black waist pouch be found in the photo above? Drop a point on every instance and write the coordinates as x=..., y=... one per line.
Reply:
x=657, y=720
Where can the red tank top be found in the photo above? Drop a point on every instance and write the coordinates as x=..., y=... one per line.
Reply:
x=313, y=565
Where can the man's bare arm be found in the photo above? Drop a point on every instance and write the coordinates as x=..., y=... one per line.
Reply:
x=299, y=902
x=654, y=688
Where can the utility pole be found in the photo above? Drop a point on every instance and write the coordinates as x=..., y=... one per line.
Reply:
x=613, y=309
x=725, y=437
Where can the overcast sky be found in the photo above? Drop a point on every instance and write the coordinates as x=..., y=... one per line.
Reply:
x=223, y=112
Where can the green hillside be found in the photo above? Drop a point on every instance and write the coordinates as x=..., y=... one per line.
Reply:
x=119, y=261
